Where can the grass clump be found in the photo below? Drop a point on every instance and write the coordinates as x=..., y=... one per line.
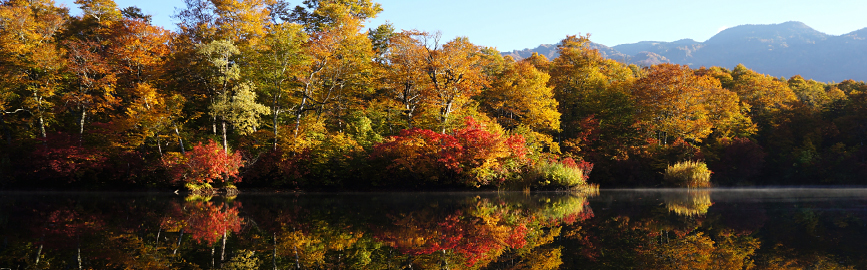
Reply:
x=557, y=174
x=692, y=174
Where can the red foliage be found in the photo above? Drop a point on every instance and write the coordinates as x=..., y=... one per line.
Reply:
x=63, y=157
x=204, y=164
x=518, y=237
x=585, y=166
x=421, y=151
x=208, y=222
x=472, y=152
x=204, y=221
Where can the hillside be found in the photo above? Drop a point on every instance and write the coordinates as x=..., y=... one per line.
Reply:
x=785, y=49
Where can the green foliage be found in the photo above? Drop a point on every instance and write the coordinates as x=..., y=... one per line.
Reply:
x=241, y=109
x=688, y=173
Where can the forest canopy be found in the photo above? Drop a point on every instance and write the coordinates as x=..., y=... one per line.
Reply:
x=258, y=93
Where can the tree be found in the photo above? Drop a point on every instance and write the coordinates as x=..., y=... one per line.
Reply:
x=764, y=94
x=90, y=61
x=243, y=22
x=677, y=103
x=139, y=51
x=403, y=75
x=597, y=109
x=204, y=165
x=316, y=15
x=30, y=59
x=279, y=60
x=338, y=71
x=454, y=73
x=811, y=93
x=232, y=101
x=520, y=96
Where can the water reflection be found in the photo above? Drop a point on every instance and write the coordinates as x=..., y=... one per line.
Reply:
x=664, y=229
x=689, y=202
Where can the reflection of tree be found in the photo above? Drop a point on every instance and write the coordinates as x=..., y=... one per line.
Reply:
x=688, y=203
x=567, y=209
x=786, y=258
x=205, y=222
x=623, y=243
x=492, y=234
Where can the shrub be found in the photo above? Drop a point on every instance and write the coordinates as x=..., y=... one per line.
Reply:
x=565, y=173
x=472, y=155
x=203, y=165
x=688, y=174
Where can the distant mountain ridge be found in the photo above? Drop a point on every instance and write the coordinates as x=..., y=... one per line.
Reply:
x=785, y=49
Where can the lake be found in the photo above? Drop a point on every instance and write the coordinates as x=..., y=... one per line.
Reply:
x=611, y=229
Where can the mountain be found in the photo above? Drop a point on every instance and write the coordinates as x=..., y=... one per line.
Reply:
x=785, y=49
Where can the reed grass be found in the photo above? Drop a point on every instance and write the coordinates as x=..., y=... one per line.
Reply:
x=691, y=174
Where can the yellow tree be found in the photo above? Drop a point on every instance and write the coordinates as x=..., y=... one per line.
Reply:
x=675, y=102
x=809, y=92
x=339, y=67
x=232, y=100
x=31, y=61
x=597, y=110
x=454, y=72
x=279, y=61
x=403, y=74
x=520, y=98
x=316, y=15
x=764, y=94
x=138, y=51
x=243, y=22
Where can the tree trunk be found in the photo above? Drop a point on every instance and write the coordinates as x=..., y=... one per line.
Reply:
x=81, y=124
x=225, y=142
x=39, y=251
x=180, y=139
x=276, y=113
x=223, y=249
x=42, y=127
x=294, y=248
x=444, y=116
x=78, y=253
x=159, y=146
x=298, y=116
x=181, y=237
x=274, y=253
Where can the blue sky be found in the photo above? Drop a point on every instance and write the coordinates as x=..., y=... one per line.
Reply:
x=510, y=24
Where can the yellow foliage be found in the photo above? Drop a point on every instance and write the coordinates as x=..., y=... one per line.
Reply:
x=688, y=174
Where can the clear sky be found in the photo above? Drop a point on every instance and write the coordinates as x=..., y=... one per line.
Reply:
x=510, y=25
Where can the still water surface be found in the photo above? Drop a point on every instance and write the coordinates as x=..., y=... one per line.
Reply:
x=614, y=229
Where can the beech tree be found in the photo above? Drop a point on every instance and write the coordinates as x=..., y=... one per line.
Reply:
x=339, y=69
x=597, y=108
x=676, y=103
x=232, y=100
x=454, y=72
x=520, y=96
x=403, y=75
x=279, y=61
x=764, y=94
x=31, y=59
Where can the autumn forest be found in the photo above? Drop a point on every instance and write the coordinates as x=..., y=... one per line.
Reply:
x=263, y=94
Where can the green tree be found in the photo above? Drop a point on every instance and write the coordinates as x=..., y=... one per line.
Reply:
x=279, y=60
